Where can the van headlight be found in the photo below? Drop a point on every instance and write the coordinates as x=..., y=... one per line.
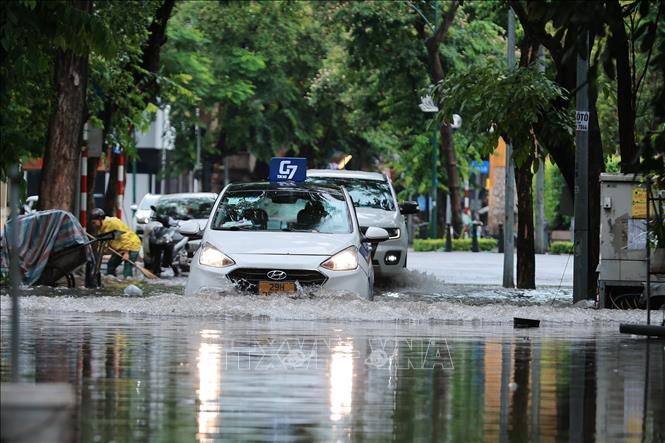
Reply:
x=345, y=260
x=211, y=256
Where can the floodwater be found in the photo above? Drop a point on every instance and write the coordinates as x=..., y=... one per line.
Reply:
x=412, y=365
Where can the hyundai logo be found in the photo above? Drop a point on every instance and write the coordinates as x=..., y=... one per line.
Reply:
x=276, y=275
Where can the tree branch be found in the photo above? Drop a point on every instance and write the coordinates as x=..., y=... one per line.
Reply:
x=446, y=21
x=646, y=64
x=537, y=30
x=420, y=29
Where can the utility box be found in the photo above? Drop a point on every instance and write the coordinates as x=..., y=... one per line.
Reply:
x=623, y=255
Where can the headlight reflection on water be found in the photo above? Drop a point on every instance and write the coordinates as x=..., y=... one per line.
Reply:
x=341, y=381
x=210, y=387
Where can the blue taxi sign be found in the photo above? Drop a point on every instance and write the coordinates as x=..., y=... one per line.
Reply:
x=288, y=169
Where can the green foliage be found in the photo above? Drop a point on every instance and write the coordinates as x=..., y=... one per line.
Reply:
x=459, y=244
x=30, y=35
x=562, y=247
x=613, y=163
x=510, y=102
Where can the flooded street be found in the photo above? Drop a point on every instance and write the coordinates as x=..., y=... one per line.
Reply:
x=408, y=366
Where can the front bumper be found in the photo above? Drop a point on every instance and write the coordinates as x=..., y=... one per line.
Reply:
x=205, y=278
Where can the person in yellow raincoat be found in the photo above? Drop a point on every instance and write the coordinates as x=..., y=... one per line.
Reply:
x=128, y=244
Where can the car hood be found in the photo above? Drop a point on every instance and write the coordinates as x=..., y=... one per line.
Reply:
x=279, y=243
x=378, y=217
x=142, y=213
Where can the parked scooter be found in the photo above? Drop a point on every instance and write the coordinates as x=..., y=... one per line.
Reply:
x=163, y=245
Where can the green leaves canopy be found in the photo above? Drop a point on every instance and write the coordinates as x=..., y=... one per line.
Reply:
x=510, y=103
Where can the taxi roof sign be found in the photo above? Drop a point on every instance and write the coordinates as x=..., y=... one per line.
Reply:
x=288, y=169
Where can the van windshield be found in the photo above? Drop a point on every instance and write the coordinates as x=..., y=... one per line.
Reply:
x=283, y=210
x=364, y=193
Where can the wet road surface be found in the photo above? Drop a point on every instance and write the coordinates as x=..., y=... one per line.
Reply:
x=415, y=364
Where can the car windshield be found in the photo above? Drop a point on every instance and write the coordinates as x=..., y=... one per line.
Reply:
x=148, y=200
x=185, y=208
x=364, y=193
x=283, y=210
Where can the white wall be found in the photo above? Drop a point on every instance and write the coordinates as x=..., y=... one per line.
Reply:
x=142, y=188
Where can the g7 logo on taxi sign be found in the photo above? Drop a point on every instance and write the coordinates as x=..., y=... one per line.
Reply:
x=286, y=170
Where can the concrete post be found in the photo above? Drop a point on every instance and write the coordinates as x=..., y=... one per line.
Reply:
x=540, y=245
x=580, y=277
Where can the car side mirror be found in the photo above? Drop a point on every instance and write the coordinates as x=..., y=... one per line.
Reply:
x=190, y=228
x=376, y=235
x=134, y=207
x=152, y=207
x=409, y=207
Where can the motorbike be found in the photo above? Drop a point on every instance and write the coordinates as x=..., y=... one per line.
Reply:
x=163, y=245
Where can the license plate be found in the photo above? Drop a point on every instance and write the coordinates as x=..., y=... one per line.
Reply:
x=271, y=287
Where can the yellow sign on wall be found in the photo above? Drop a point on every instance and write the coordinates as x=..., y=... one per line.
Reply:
x=639, y=203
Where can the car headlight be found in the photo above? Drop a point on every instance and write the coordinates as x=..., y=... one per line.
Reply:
x=211, y=256
x=345, y=260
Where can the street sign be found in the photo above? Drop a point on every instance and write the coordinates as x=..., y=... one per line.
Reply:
x=94, y=142
x=582, y=120
x=482, y=167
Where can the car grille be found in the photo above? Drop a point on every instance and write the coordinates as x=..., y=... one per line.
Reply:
x=392, y=232
x=247, y=279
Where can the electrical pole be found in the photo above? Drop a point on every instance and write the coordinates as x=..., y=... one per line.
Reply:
x=435, y=183
x=540, y=243
x=509, y=197
x=14, y=270
x=197, y=168
x=435, y=154
x=580, y=276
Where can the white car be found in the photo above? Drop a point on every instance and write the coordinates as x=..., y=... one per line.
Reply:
x=283, y=238
x=142, y=211
x=376, y=204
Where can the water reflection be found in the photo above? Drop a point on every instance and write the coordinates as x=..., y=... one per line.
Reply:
x=183, y=380
x=341, y=381
x=209, y=390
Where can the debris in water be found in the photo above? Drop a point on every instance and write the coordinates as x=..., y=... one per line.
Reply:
x=525, y=323
x=133, y=291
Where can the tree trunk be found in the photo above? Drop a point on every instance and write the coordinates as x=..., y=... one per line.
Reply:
x=563, y=153
x=450, y=162
x=63, y=144
x=526, y=261
x=526, y=255
x=447, y=143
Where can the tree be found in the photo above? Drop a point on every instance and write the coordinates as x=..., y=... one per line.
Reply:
x=63, y=141
x=135, y=87
x=514, y=104
x=572, y=22
x=432, y=43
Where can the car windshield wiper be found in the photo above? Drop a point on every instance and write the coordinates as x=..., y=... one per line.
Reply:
x=299, y=230
x=240, y=228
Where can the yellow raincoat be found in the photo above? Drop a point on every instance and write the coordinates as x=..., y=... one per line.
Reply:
x=128, y=241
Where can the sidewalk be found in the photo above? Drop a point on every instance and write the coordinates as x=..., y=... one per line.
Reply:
x=486, y=268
